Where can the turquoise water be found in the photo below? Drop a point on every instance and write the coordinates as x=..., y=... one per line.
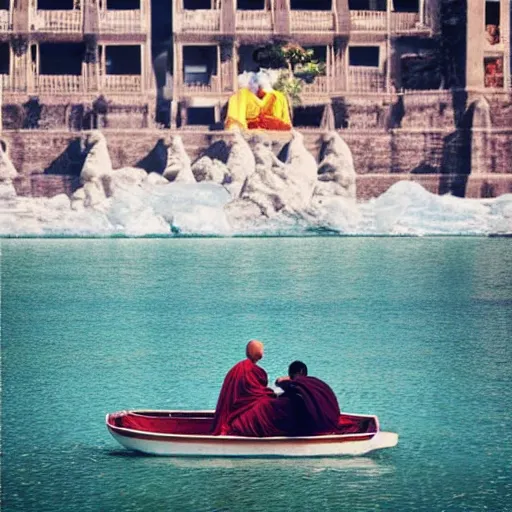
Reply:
x=417, y=331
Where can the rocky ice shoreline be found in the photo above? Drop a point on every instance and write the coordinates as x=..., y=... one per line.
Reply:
x=248, y=190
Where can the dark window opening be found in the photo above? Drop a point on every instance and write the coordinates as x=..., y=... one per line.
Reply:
x=319, y=53
x=311, y=5
x=123, y=5
x=199, y=64
x=420, y=72
x=493, y=69
x=250, y=5
x=492, y=22
x=123, y=60
x=363, y=56
x=308, y=116
x=367, y=5
x=5, y=58
x=55, y=5
x=4, y=5
x=492, y=13
x=200, y=116
x=60, y=59
x=197, y=4
x=247, y=61
x=406, y=6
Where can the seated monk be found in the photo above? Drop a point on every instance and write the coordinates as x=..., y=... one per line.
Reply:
x=243, y=106
x=274, y=112
x=315, y=405
x=246, y=406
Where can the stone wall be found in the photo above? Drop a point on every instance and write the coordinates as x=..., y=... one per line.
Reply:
x=49, y=162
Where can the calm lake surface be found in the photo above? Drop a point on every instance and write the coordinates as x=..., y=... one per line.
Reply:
x=417, y=331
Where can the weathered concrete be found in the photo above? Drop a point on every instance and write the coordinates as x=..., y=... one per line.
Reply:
x=49, y=162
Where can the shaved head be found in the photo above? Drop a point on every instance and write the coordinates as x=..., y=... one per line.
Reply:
x=254, y=350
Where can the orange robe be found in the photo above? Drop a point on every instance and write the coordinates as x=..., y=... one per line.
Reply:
x=274, y=113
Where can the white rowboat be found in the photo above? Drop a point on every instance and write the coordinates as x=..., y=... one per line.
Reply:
x=186, y=433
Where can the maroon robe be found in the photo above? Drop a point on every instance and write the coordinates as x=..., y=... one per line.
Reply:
x=247, y=407
x=315, y=405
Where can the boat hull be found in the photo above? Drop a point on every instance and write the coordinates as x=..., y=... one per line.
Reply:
x=225, y=447
x=168, y=444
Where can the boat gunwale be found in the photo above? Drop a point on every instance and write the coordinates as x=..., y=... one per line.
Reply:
x=128, y=432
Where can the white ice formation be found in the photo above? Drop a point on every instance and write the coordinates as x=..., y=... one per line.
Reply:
x=7, y=174
x=178, y=166
x=255, y=193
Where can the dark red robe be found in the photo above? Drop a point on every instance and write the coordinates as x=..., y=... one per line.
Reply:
x=315, y=406
x=247, y=407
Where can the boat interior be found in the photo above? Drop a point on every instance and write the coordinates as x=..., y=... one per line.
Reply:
x=200, y=422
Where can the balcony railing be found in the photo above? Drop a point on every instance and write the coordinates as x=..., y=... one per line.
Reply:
x=58, y=84
x=122, y=22
x=257, y=21
x=319, y=86
x=405, y=21
x=311, y=21
x=57, y=21
x=368, y=20
x=4, y=20
x=196, y=88
x=376, y=21
x=366, y=80
x=121, y=83
x=6, y=82
x=201, y=20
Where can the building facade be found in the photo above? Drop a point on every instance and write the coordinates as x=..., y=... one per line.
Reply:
x=364, y=44
x=76, y=64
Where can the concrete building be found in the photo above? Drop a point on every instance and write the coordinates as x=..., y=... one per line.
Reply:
x=76, y=64
x=365, y=45
x=72, y=65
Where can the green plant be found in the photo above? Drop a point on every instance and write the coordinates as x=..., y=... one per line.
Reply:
x=291, y=86
x=295, y=55
x=296, y=63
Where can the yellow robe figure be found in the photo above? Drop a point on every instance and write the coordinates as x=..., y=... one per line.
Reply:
x=243, y=107
x=277, y=107
x=274, y=113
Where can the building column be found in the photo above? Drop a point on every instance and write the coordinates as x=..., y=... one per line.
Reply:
x=474, y=44
x=177, y=79
x=227, y=71
x=505, y=7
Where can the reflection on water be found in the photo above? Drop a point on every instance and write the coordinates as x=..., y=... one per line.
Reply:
x=367, y=465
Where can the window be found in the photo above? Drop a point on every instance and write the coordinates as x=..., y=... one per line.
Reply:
x=123, y=60
x=493, y=69
x=197, y=4
x=5, y=57
x=200, y=115
x=4, y=5
x=250, y=5
x=420, y=72
x=405, y=5
x=199, y=63
x=367, y=5
x=123, y=4
x=247, y=60
x=308, y=116
x=311, y=5
x=196, y=74
x=60, y=59
x=56, y=5
x=492, y=22
x=367, y=56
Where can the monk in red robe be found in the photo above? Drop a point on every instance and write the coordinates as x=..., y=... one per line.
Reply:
x=315, y=406
x=246, y=406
